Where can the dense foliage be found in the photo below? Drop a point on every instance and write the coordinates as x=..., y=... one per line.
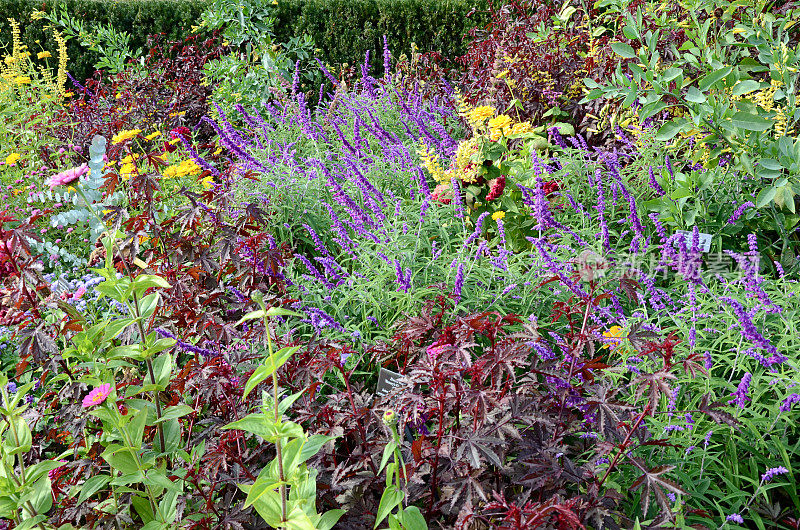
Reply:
x=551, y=283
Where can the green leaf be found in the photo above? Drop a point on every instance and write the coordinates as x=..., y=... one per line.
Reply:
x=694, y=95
x=121, y=459
x=389, y=500
x=252, y=315
x=329, y=519
x=751, y=122
x=92, y=486
x=623, y=50
x=388, y=451
x=313, y=444
x=669, y=130
x=713, y=78
x=271, y=364
x=146, y=281
x=413, y=519
x=745, y=87
x=765, y=196
x=175, y=412
x=256, y=423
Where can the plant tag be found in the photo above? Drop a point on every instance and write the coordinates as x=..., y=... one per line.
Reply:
x=704, y=243
x=387, y=381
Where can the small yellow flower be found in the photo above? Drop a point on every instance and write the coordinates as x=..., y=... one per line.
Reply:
x=615, y=335
x=207, y=182
x=153, y=135
x=43, y=55
x=499, y=214
x=125, y=135
x=500, y=122
x=22, y=80
x=521, y=128
x=480, y=114
x=16, y=191
x=12, y=158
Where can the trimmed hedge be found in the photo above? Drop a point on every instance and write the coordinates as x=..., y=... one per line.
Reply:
x=139, y=18
x=345, y=29
x=342, y=29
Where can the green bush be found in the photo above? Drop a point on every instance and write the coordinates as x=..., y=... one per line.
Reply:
x=139, y=19
x=345, y=29
x=342, y=29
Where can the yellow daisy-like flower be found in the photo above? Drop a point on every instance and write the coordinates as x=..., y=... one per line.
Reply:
x=43, y=55
x=125, y=135
x=480, y=114
x=153, y=135
x=521, y=128
x=22, y=80
x=500, y=122
x=615, y=335
x=207, y=182
x=173, y=114
x=127, y=171
x=130, y=158
x=12, y=158
x=499, y=214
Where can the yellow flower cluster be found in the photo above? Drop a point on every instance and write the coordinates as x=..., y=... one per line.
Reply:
x=765, y=98
x=125, y=135
x=499, y=127
x=12, y=158
x=479, y=115
x=430, y=161
x=153, y=135
x=187, y=167
x=17, y=69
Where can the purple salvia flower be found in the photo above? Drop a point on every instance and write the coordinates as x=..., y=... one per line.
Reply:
x=773, y=472
x=458, y=285
x=740, y=396
x=654, y=183
x=739, y=211
x=786, y=406
x=734, y=518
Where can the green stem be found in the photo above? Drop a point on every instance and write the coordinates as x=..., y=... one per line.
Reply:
x=22, y=470
x=159, y=426
x=278, y=448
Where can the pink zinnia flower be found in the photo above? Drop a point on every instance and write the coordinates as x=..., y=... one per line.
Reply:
x=79, y=293
x=97, y=396
x=435, y=350
x=65, y=177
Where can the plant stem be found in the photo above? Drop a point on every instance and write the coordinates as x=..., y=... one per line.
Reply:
x=278, y=449
x=159, y=426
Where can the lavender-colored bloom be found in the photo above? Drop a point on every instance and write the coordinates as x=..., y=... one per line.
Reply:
x=740, y=396
x=707, y=438
x=772, y=473
x=654, y=183
x=734, y=518
x=459, y=283
x=11, y=387
x=786, y=406
x=185, y=346
x=739, y=211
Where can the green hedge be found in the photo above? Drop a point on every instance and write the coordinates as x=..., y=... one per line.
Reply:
x=342, y=29
x=345, y=29
x=139, y=18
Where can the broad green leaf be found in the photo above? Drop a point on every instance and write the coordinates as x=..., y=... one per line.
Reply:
x=313, y=444
x=388, y=451
x=669, y=130
x=713, y=78
x=92, y=486
x=252, y=315
x=745, y=87
x=256, y=423
x=271, y=364
x=329, y=519
x=694, y=95
x=765, y=196
x=389, y=500
x=751, y=122
x=623, y=50
x=413, y=519
x=174, y=412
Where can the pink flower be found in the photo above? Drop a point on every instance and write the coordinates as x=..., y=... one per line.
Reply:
x=65, y=177
x=79, y=293
x=435, y=350
x=97, y=396
x=53, y=474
